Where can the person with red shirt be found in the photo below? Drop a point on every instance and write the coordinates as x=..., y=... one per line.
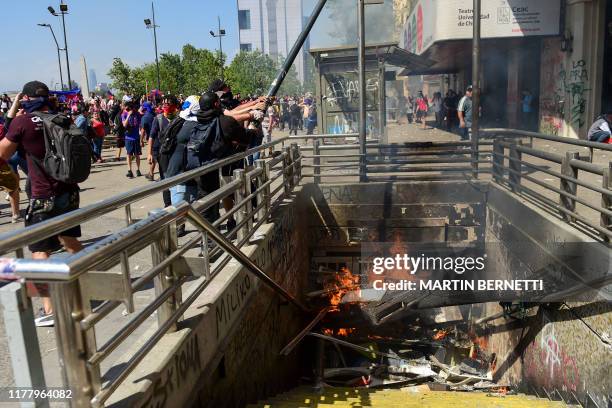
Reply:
x=98, y=128
x=50, y=198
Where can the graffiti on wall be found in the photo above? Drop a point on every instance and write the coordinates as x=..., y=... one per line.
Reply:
x=547, y=364
x=574, y=83
x=184, y=368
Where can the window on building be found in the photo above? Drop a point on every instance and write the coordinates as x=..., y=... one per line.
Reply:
x=244, y=19
x=246, y=47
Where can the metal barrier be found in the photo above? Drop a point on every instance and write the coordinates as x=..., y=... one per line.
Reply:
x=578, y=201
x=88, y=276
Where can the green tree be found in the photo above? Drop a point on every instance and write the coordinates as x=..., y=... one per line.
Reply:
x=121, y=76
x=251, y=72
x=291, y=84
x=200, y=68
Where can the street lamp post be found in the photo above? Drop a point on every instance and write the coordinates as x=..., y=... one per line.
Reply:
x=220, y=34
x=151, y=24
x=63, y=11
x=59, y=60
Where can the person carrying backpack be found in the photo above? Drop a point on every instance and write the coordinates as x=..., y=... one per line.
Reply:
x=54, y=172
x=162, y=139
x=174, y=147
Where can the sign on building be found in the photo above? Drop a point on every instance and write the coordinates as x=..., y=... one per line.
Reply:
x=439, y=20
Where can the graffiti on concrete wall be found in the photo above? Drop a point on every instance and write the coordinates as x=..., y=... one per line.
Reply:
x=574, y=83
x=547, y=364
x=186, y=366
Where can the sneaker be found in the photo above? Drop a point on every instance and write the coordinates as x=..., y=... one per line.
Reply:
x=138, y=173
x=130, y=174
x=149, y=177
x=44, y=320
x=16, y=218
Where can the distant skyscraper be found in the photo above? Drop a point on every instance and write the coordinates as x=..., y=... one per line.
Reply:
x=272, y=26
x=92, y=79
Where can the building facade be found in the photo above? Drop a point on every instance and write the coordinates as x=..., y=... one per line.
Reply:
x=272, y=27
x=560, y=51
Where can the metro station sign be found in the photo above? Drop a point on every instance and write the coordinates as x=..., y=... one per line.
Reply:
x=440, y=20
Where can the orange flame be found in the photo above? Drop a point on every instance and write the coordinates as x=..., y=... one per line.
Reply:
x=440, y=334
x=343, y=332
x=344, y=281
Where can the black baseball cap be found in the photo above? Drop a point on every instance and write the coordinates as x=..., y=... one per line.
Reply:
x=35, y=88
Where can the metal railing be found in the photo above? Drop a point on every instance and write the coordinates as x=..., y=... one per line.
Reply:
x=16, y=241
x=399, y=161
x=90, y=275
x=102, y=271
x=579, y=197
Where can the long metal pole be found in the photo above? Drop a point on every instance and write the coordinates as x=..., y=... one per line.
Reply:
x=362, y=90
x=155, y=41
x=66, y=50
x=220, y=48
x=243, y=259
x=280, y=76
x=475, y=88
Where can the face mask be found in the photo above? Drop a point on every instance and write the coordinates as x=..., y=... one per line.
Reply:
x=169, y=110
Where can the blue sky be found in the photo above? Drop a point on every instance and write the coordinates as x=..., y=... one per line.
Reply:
x=103, y=29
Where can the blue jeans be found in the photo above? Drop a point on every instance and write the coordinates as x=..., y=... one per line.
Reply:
x=183, y=192
x=97, y=147
x=600, y=136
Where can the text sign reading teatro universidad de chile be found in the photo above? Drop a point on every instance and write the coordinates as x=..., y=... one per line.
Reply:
x=439, y=20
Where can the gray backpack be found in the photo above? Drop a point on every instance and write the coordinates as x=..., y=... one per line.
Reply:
x=68, y=151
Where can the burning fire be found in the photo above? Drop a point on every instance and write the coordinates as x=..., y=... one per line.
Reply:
x=480, y=344
x=342, y=332
x=440, y=334
x=344, y=281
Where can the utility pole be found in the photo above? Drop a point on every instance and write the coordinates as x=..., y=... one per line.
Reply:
x=63, y=11
x=59, y=59
x=476, y=88
x=362, y=90
x=220, y=34
x=151, y=24
x=220, y=47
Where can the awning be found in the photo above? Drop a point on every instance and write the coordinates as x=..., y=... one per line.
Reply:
x=390, y=53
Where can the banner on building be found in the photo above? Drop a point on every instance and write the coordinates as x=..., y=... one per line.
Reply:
x=439, y=20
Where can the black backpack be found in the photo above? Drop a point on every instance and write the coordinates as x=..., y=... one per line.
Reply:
x=167, y=137
x=67, y=149
x=206, y=143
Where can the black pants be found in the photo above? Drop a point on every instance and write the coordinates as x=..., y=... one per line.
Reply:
x=293, y=125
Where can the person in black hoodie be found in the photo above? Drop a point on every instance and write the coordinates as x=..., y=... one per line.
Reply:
x=231, y=133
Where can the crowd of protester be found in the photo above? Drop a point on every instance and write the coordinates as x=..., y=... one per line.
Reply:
x=175, y=133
